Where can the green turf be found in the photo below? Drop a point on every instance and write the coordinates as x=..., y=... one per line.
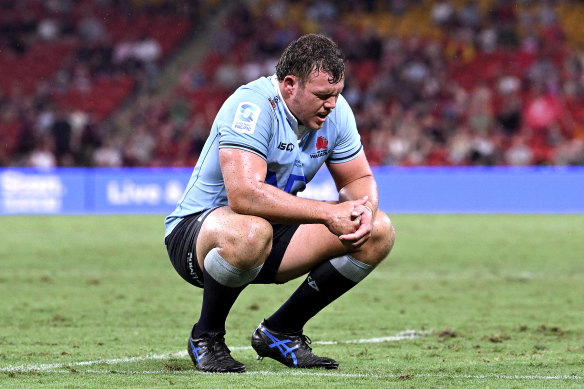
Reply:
x=498, y=298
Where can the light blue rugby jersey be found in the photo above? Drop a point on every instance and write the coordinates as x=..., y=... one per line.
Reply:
x=256, y=119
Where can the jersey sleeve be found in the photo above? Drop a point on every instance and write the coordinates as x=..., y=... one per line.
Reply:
x=348, y=141
x=245, y=122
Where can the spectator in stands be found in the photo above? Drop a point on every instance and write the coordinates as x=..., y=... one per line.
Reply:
x=90, y=28
x=124, y=53
x=61, y=132
x=147, y=51
x=443, y=13
x=48, y=29
x=519, y=153
x=42, y=156
x=469, y=15
x=139, y=146
x=108, y=154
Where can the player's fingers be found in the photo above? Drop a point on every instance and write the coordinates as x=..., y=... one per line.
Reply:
x=354, y=236
x=359, y=243
x=356, y=243
x=358, y=208
x=347, y=236
x=362, y=241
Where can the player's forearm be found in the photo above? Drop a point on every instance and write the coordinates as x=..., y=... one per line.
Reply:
x=364, y=186
x=274, y=204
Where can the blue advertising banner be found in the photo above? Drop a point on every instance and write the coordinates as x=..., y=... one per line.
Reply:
x=481, y=190
x=43, y=192
x=401, y=190
x=138, y=190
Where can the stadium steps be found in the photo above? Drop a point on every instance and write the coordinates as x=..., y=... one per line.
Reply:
x=192, y=51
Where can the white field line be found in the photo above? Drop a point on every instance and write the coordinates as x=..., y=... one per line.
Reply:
x=408, y=334
x=309, y=373
x=67, y=368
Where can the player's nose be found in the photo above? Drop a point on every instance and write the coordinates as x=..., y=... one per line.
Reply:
x=330, y=103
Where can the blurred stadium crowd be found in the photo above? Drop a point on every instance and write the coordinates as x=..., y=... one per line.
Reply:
x=450, y=82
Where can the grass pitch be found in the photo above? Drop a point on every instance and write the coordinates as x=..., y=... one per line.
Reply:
x=492, y=301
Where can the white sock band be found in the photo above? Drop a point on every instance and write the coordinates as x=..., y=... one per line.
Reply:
x=225, y=273
x=351, y=268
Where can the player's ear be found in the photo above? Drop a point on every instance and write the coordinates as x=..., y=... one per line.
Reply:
x=290, y=84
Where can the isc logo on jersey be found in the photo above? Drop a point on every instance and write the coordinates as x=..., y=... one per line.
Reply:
x=246, y=118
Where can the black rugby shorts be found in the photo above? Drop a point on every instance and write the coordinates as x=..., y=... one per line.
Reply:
x=181, y=244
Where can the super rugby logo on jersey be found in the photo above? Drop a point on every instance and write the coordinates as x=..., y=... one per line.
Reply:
x=246, y=117
x=321, y=148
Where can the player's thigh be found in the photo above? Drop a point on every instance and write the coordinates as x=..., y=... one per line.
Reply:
x=237, y=236
x=310, y=245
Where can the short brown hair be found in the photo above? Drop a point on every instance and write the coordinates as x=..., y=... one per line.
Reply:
x=311, y=52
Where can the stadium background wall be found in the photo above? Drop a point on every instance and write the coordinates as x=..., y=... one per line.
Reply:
x=402, y=190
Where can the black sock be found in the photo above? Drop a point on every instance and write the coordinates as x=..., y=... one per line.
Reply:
x=323, y=285
x=217, y=301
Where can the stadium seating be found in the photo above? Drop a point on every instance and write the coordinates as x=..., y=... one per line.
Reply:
x=460, y=85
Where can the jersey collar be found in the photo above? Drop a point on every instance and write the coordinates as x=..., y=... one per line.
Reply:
x=299, y=129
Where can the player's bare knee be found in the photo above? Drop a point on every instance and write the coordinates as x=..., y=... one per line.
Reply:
x=259, y=237
x=382, y=238
x=252, y=243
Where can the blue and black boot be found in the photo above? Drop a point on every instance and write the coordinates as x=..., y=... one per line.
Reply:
x=292, y=349
x=211, y=354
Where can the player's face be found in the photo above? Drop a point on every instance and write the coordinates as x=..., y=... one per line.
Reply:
x=312, y=102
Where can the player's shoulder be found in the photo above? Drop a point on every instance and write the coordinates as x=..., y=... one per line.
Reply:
x=260, y=90
x=256, y=96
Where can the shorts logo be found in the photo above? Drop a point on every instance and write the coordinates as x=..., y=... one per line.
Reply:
x=190, y=264
x=246, y=118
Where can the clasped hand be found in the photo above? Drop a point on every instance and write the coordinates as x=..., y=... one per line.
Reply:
x=353, y=222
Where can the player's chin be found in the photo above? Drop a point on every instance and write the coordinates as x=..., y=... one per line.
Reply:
x=315, y=126
x=317, y=123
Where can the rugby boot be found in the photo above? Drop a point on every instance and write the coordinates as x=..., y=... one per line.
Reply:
x=211, y=354
x=292, y=350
